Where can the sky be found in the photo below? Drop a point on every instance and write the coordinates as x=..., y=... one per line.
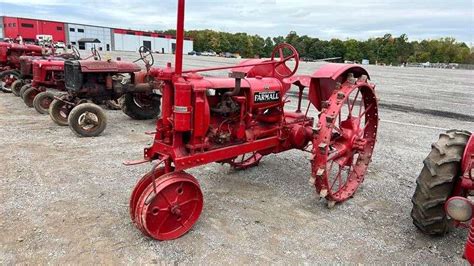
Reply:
x=343, y=19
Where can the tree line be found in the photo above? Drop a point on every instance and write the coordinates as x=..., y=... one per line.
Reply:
x=387, y=49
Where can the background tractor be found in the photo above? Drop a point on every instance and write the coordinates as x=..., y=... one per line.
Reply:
x=91, y=82
x=440, y=201
x=26, y=68
x=241, y=118
x=10, y=54
x=48, y=80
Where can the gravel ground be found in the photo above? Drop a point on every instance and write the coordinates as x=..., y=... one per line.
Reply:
x=64, y=199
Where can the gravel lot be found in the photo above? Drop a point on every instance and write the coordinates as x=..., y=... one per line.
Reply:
x=64, y=199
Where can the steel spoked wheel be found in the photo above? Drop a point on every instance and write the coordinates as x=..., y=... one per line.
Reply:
x=87, y=120
x=347, y=133
x=246, y=160
x=169, y=207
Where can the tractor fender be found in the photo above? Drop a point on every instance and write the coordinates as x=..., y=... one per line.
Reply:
x=324, y=80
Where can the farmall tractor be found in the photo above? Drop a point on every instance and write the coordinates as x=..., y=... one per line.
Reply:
x=48, y=81
x=10, y=54
x=89, y=82
x=26, y=68
x=441, y=201
x=241, y=118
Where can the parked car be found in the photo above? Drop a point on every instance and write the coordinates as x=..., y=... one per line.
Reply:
x=229, y=55
x=192, y=53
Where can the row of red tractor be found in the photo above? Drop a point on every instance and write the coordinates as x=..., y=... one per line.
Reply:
x=71, y=89
x=237, y=120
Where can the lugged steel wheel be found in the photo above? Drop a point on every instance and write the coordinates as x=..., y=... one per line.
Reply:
x=344, y=144
x=246, y=160
x=437, y=182
x=169, y=207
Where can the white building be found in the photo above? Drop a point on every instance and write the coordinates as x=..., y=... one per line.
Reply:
x=130, y=40
x=86, y=36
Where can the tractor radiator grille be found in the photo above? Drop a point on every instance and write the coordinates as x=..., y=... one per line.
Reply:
x=73, y=75
x=25, y=68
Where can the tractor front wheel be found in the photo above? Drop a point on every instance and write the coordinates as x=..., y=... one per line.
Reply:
x=87, y=120
x=169, y=206
x=16, y=86
x=42, y=101
x=23, y=89
x=59, y=112
x=141, y=107
x=7, y=78
x=437, y=183
x=29, y=96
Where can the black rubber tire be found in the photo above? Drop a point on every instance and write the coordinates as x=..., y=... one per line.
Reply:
x=78, y=111
x=55, y=113
x=23, y=89
x=38, y=102
x=5, y=73
x=29, y=96
x=436, y=182
x=16, y=86
x=130, y=107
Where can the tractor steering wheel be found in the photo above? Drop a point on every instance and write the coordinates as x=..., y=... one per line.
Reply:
x=280, y=49
x=75, y=53
x=95, y=53
x=145, y=52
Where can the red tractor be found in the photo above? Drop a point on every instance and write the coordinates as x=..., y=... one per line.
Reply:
x=241, y=118
x=440, y=201
x=92, y=82
x=48, y=79
x=10, y=54
x=26, y=68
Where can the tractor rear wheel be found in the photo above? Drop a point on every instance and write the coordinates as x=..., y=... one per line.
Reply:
x=59, y=112
x=16, y=86
x=23, y=89
x=87, y=120
x=437, y=181
x=42, y=101
x=29, y=96
x=347, y=130
x=7, y=78
x=141, y=107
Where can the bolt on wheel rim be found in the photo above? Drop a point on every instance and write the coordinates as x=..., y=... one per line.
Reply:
x=88, y=121
x=346, y=140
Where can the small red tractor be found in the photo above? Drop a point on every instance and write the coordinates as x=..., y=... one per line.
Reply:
x=241, y=118
x=90, y=82
x=26, y=68
x=10, y=54
x=441, y=201
x=48, y=80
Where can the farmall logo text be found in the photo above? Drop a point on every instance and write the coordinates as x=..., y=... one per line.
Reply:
x=266, y=96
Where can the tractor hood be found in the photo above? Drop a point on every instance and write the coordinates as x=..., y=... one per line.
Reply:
x=108, y=66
